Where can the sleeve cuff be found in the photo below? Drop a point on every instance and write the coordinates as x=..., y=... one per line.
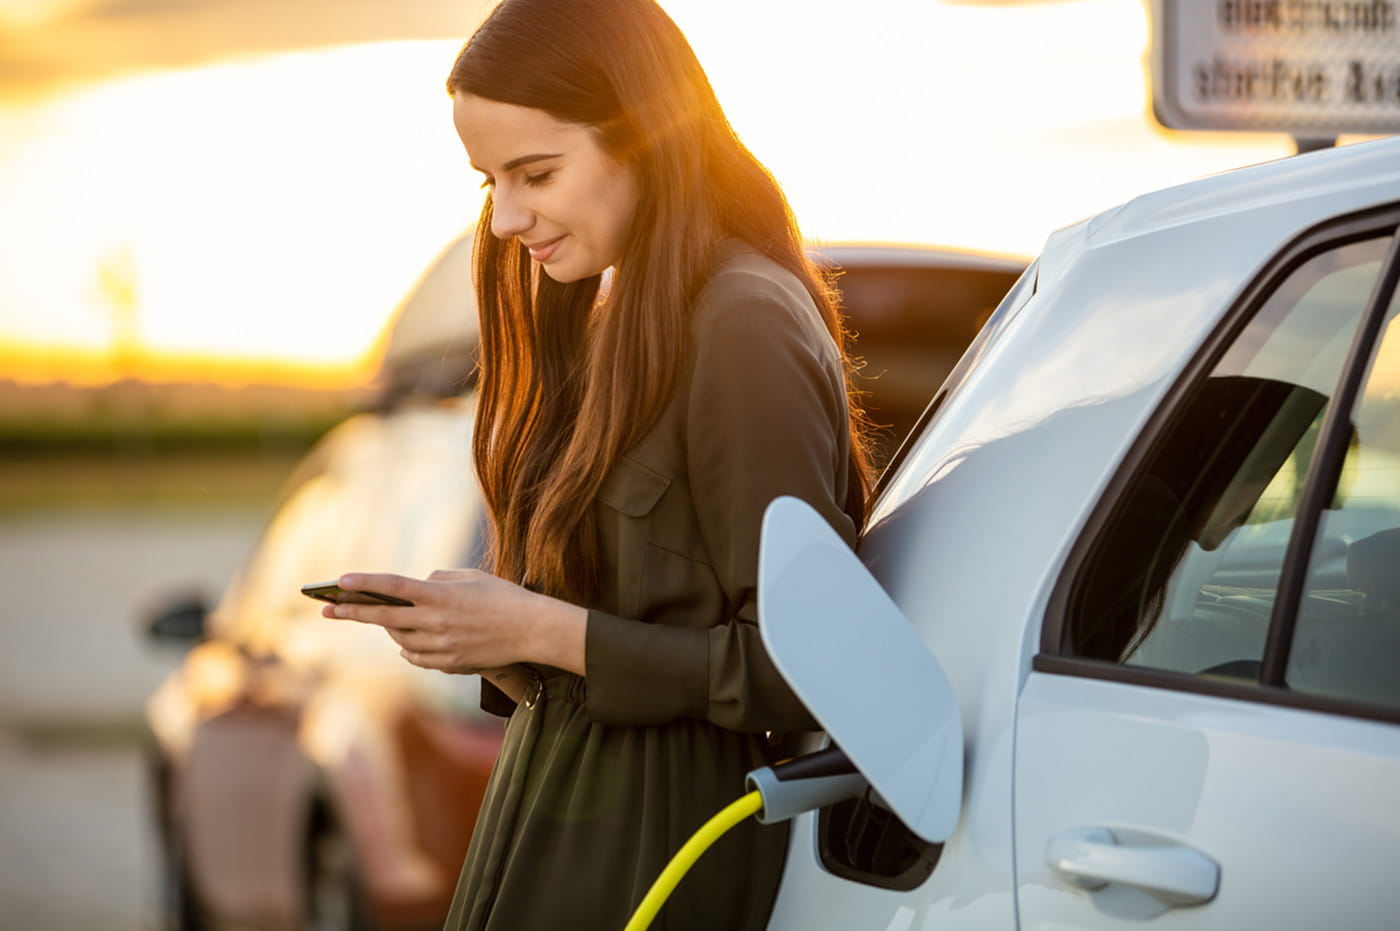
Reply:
x=641, y=674
x=494, y=701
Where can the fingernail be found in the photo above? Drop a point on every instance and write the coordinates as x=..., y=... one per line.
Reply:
x=339, y=611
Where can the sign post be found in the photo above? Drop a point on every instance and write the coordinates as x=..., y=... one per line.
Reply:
x=1312, y=68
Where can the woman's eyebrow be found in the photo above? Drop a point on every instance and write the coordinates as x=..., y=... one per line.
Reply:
x=527, y=159
x=517, y=162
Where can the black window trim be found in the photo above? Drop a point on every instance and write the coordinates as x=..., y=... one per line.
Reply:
x=1196, y=684
x=1054, y=655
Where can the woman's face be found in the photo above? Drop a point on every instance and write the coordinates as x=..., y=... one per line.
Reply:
x=552, y=185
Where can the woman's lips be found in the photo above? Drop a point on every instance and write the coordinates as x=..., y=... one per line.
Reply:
x=541, y=251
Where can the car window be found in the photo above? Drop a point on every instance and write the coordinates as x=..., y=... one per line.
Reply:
x=1186, y=570
x=1346, y=639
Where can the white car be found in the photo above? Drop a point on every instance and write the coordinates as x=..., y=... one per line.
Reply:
x=1145, y=543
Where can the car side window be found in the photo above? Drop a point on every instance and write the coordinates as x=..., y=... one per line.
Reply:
x=1346, y=638
x=1185, y=572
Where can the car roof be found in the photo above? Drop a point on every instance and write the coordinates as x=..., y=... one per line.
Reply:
x=916, y=255
x=1240, y=205
x=434, y=332
x=1323, y=173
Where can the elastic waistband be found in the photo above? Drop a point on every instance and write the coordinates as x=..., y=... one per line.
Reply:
x=555, y=686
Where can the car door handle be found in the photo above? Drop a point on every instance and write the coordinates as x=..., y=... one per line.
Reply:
x=1091, y=858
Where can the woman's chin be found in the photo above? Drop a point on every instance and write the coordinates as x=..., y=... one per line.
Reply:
x=567, y=273
x=560, y=273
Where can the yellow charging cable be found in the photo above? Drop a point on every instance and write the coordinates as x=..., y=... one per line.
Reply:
x=685, y=858
x=780, y=792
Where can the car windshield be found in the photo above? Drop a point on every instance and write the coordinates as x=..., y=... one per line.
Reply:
x=903, y=478
x=388, y=493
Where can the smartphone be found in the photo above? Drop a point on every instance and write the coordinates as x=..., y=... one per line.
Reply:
x=332, y=592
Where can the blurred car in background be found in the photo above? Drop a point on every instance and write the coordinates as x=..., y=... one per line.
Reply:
x=305, y=775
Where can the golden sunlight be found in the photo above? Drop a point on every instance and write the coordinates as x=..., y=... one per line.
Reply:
x=977, y=126
x=271, y=212
x=272, y=209
x=29, y=13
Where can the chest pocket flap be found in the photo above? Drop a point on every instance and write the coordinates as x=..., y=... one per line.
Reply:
x=632, y=488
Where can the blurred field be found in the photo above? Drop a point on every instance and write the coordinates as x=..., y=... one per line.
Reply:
x=47, y=483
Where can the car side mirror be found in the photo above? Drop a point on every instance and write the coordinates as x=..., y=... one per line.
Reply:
x=180, y=620
x=859, y=667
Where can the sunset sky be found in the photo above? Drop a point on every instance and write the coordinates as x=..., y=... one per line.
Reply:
x=245, y=188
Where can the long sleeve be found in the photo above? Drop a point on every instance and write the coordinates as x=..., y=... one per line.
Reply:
x=764, y=416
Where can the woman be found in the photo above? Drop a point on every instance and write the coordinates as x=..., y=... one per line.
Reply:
x=628, y=440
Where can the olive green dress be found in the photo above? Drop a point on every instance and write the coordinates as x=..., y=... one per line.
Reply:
x=602, y=779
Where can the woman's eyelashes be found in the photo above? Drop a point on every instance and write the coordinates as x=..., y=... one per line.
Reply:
x=539, y=179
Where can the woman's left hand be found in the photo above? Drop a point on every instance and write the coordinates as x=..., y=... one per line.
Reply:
x=465, y=620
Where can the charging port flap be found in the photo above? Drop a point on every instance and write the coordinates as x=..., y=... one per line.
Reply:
x=857, y=664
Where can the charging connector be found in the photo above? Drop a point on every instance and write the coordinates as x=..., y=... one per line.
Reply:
x=814, y=780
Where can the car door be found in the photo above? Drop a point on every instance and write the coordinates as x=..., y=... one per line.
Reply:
x=1209, y=736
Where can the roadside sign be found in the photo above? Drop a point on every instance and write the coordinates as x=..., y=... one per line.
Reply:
x=1313, y=68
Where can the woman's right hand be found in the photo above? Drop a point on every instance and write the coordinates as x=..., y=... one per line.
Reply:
x=468, y=621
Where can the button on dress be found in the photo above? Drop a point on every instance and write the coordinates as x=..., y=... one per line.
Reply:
x=601, y=779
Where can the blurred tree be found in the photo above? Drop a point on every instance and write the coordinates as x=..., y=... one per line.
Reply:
x=117, y=284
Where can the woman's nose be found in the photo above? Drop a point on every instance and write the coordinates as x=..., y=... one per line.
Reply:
x=509, y=217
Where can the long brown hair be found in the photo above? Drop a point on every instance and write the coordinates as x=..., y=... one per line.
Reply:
x=566, y=389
